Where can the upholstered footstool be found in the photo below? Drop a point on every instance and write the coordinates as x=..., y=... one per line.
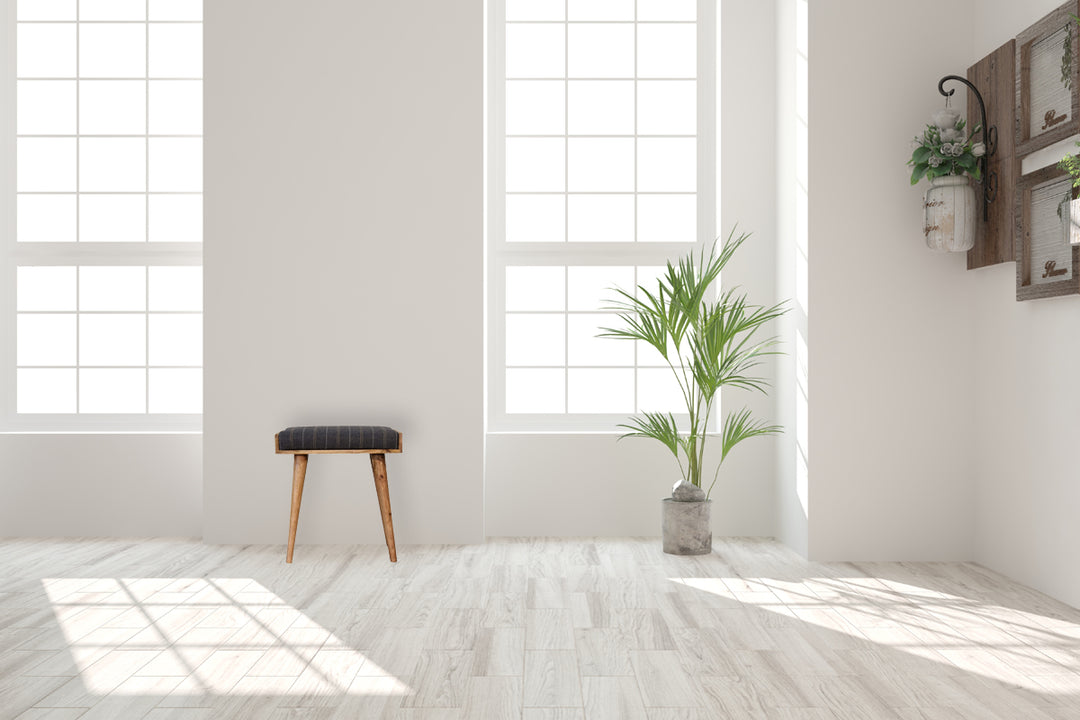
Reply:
x=372, y=440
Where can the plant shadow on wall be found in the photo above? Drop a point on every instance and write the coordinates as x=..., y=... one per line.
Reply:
x=709, y=342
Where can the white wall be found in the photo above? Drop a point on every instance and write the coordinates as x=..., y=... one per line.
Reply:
x=100, y=485
x=567, y=485
x=942, y=411
x=582, y=485
x=344, y=261
x=747, y=192
x=1026, y=522
x=892, y=351
x=791, y=267
x=343, y=170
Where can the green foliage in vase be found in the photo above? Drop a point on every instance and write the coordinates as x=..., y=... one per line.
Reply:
x=946, y=149
x=1071, y=164
x=708, y=343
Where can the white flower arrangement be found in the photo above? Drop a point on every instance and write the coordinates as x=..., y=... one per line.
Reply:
x=946, y=149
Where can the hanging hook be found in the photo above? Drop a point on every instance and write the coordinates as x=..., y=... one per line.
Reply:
x=989, y=138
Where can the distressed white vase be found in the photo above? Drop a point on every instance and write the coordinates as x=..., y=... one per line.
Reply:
x=950, y=214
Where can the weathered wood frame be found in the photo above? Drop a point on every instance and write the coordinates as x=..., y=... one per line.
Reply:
x=1025, y=143
x=995, y=77
x=1025, y=290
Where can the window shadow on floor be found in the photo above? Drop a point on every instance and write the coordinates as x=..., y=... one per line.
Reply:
x=563, y=628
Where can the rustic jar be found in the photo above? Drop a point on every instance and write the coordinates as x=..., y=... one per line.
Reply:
x=950, y=214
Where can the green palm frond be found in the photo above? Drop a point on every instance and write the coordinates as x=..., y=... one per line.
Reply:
x=708, y=342
x=658, y=426
x=739, y=426
x=644, y=318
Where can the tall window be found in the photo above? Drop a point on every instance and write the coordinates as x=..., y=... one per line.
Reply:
x=602, y=167
x=103, y=250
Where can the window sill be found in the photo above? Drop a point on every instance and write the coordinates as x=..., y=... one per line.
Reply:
x=101, y=432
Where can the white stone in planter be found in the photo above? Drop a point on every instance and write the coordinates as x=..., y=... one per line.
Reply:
x=950, y=214
x=685, y=491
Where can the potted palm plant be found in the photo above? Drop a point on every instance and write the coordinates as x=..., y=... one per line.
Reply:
x=709, y=342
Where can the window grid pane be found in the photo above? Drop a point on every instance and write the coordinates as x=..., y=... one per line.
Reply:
x=97, y=317
x=95, y=117
x=606, y=97
x=553, y=319
x=622, y=122
x=109, y=148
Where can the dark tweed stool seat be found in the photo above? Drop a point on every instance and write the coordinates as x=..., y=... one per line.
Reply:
x=373, y=440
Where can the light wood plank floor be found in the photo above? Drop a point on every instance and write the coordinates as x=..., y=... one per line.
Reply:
x=539, y=629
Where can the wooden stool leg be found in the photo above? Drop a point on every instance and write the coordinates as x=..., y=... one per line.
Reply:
x=299, y=471
x=382, y=489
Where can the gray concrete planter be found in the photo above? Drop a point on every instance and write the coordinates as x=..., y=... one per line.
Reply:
x=687, y=527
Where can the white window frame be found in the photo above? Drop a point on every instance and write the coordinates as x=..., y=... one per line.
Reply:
x=14, y=254
x=502, y=254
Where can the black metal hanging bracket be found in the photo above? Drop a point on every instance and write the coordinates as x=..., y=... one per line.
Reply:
x=989, y=182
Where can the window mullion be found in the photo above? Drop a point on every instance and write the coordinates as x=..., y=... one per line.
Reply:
x=146, y=205
x=566, y=204
x=636, y=201
x=78, y=205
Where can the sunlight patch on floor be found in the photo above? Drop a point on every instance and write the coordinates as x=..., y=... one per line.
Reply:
x=213, y=632
x=999, y=643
